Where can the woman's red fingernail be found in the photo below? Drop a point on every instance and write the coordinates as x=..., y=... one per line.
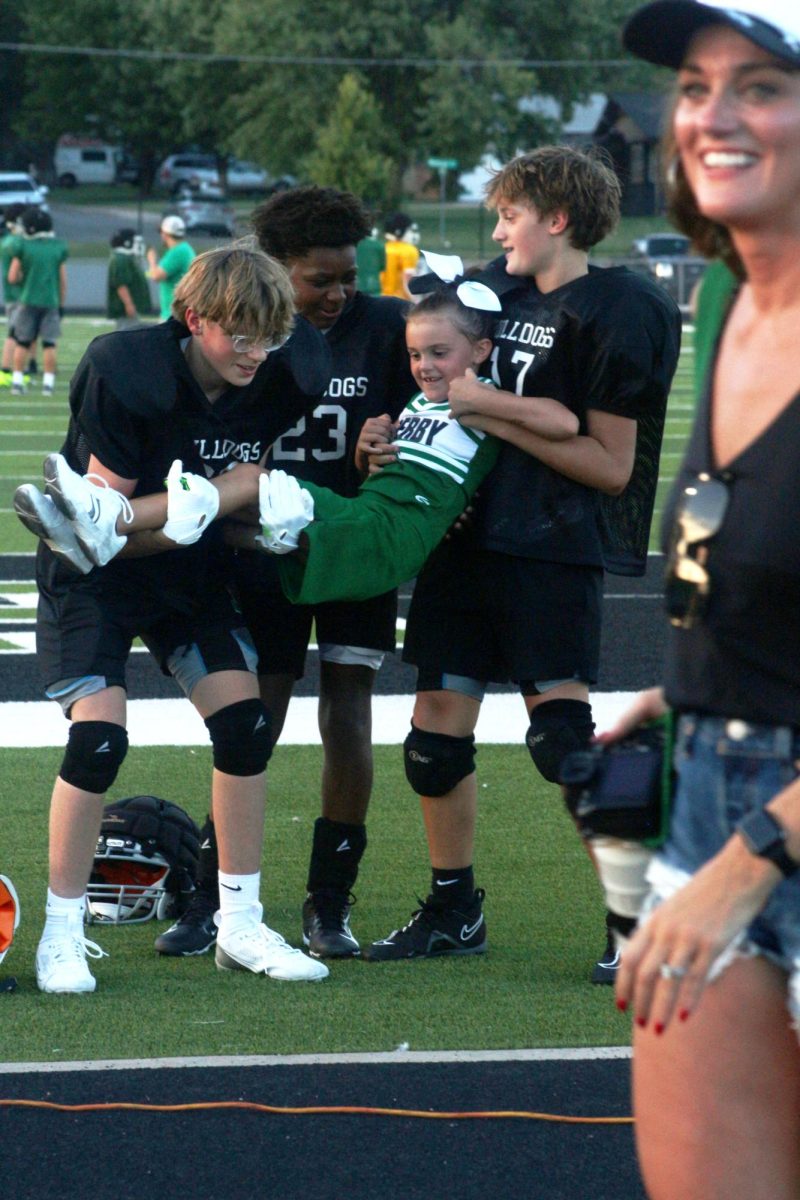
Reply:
x=641, y=1022
x=684, y=1014
x=658, y=1029
x=622, y=1005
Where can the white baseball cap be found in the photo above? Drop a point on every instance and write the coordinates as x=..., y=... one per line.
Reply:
x=660, y=32
x=175, y=226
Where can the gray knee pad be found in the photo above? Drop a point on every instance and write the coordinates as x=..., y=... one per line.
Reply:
x=94, y=754
x=557, y=728
x=241, y=736
x=436, y=762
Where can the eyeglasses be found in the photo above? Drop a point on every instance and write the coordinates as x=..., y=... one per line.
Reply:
x=242, y=344
x=699, y=518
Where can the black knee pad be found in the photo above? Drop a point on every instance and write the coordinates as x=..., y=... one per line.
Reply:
x=95, y=752
x=436, y=762
x=241, y=735
x=557, y=728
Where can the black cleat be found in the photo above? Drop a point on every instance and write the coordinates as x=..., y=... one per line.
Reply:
x=435, y=930
x=605, y=969
x=326, y=925
x=195, y=931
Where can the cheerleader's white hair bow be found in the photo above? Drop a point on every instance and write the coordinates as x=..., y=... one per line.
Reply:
x=449, y=268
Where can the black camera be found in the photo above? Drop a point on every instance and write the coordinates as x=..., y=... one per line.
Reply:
x=623, y=790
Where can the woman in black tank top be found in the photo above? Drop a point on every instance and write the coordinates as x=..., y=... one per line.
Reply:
x=712, y=974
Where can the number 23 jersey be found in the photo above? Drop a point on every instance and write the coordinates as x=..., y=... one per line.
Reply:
x=370, y=376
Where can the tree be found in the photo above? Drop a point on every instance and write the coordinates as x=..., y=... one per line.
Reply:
x=348, y=151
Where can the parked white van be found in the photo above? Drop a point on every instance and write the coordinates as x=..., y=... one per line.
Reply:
x=84, y=160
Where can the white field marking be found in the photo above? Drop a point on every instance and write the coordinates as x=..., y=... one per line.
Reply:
x=18, y=599
x=503, y=721
x=379, y=1058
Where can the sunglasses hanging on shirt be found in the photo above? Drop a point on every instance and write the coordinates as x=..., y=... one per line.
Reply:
x=700, y=513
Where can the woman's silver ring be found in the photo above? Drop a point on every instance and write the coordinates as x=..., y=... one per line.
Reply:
x=667, y=971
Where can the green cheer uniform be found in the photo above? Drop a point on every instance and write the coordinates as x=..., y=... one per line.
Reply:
x=362, y=545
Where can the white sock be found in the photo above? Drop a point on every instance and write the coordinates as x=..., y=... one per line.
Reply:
x=62, y=912
x=238, y=897
x=18, y=377
x=48, y=379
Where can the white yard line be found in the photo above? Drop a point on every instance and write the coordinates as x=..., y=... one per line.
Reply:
x=175, y=723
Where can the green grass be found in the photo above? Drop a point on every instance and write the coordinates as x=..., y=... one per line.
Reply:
x=544, y=912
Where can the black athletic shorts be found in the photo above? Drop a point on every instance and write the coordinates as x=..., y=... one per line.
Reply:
x=281, y=630
x=84, y=631
x=499, y=618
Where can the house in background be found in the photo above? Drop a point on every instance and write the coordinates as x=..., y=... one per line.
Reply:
x=577, y=131
x=630, y=128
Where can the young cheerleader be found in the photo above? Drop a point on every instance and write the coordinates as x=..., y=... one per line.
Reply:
x=347, y=547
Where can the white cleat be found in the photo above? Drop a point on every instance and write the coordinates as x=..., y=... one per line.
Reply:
x=91, y=507
x=39, y=514
x=192, y=504
x=61, y=962
x=255, y=947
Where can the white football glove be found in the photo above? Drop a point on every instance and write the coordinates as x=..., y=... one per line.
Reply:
x=192, y=504
x=285, y=508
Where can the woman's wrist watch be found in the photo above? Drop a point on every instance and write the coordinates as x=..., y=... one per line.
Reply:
x=763, y=834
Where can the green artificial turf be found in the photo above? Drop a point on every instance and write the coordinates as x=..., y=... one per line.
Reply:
x=544, y=916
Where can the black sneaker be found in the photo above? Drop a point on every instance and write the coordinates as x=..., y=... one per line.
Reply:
x=326, y=925
x=434, y=930
x=605, y=969
x=195, y=931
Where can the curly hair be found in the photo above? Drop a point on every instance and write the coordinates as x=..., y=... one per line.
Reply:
x=292, y=223
x=582, y=182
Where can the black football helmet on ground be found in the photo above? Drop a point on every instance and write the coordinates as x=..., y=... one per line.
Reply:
x=146, y=862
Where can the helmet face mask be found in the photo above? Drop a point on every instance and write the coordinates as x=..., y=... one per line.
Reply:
x=128, y=883
x=145, y=863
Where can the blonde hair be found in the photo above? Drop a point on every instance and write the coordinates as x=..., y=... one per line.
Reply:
x=581, y=182
x=242, y=289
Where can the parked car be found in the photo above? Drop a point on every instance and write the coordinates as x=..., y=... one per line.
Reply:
x=206, y=211
x=668, y=258
x=17, y=187
x=246, y=176
x=193, y=169
x=662, y=245
x=84, y=160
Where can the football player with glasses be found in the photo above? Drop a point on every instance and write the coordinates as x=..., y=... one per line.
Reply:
x=140, y=400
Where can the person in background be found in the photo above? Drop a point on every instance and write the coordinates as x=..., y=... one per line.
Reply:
x=712, y=974
x=128, y=292
x=370, y=262
x=170, y=269
x=8, y=248
x=402, y=255
x=39, y=266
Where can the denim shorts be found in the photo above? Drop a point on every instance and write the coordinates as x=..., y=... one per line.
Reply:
x=726, y=769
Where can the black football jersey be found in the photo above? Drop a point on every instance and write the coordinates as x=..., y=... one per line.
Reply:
x=608, y=340
x=136, y=406
x=370, y=375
